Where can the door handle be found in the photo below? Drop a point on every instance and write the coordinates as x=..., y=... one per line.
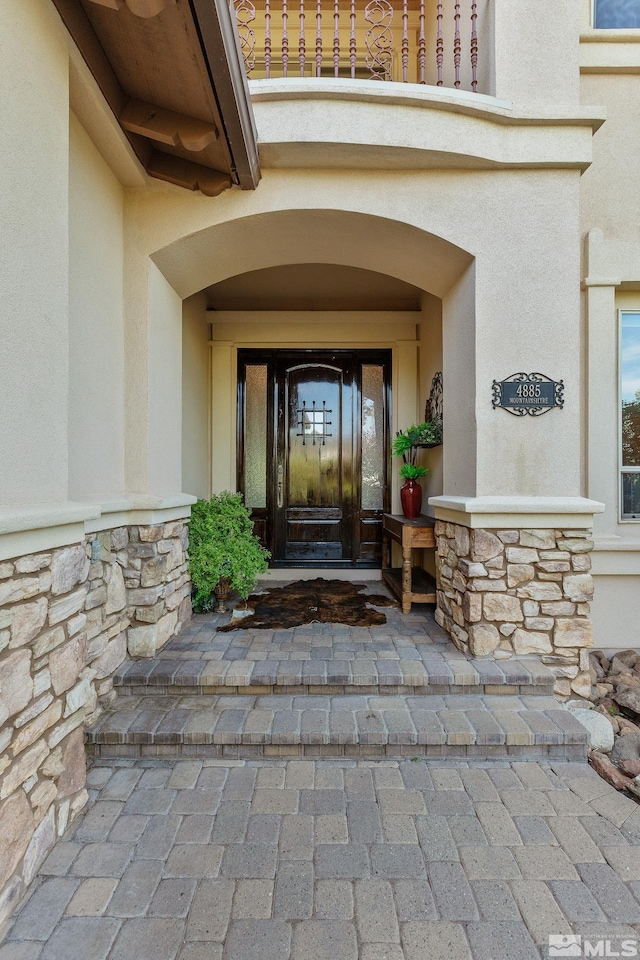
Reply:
x=280, y=485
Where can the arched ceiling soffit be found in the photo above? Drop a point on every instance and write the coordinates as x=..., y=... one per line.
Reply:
x=313, y=286
x=370, y=242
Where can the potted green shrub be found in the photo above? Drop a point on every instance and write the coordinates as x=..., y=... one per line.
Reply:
x=425, y=434
x=406, y=445
x=224, y=553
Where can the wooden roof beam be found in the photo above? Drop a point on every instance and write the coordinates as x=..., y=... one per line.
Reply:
x=139, y=8
x=145, y=123
x=185, y=173
x=165, y=126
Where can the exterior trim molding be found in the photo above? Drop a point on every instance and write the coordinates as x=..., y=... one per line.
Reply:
x=516, y=512
x=420, y=95
x=324, y=123
x=221, y=47
x=608, y=258
x=33, y=528
x=604, y=282
x=610, y=52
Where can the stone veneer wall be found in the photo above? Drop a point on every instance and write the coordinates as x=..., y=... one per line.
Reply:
x=67, y=617
x=506, y=592
x=158, y=585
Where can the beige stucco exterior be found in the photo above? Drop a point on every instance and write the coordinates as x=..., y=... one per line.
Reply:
x=515, y=215
x=610, y=226
x=96, y=323
x=483, y=202
x=35, y=231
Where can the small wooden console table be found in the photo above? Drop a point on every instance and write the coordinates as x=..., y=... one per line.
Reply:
x=410, y=585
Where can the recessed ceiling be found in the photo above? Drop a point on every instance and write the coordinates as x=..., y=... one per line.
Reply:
x=313, y=286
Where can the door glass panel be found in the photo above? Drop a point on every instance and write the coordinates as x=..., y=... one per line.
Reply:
x=314, y=476
x=255, y=445
x=372, y=437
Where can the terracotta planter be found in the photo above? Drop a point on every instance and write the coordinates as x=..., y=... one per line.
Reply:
x=411, y=499
x=221, y=592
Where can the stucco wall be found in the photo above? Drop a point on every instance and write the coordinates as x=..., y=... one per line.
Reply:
x=536, y=51
x=196, y=397
x=429, y=363
x=610, y=198
x=610, y=203
x=165, y=385
x=498, y=244
x=34, y=157
x=460, y=467
x=96, y=336
x=615, y=611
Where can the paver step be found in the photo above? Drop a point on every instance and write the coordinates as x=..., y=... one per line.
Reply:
x=422, y=672
x=476, y=725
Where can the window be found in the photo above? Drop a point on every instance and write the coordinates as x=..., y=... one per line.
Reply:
x=616, y=14
x=630, y=414
x=373, y=436
x=255, y=446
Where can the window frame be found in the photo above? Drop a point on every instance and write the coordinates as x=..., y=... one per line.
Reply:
x=621, y=468
x=595, y=27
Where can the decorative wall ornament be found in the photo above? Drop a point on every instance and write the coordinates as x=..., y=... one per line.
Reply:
x=527, y=393
x=246, y=14
x=433, y=406
x=379, y=39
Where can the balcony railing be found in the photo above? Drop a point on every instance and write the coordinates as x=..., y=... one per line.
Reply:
x=413, y=41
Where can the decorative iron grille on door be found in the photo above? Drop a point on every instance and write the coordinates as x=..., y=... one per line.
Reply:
x=313, y=423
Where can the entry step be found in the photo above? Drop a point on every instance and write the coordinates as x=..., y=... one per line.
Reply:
x=479, y=726
x=430, y=675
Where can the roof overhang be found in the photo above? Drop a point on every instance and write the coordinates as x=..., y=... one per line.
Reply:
x=172, y=73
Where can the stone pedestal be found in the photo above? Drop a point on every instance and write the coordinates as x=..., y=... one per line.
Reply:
x=518, y=590
x=158, y=586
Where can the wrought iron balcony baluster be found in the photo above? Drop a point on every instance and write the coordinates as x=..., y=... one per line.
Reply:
x=366, y=43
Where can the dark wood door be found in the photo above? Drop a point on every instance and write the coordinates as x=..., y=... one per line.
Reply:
x=314, y=461
x=313, y=441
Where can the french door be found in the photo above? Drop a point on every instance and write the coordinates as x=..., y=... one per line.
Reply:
x=313, y=441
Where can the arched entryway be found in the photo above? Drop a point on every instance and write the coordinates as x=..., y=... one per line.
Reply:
x=323, y=283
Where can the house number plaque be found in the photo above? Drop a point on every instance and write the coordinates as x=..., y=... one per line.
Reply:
x=527, y=393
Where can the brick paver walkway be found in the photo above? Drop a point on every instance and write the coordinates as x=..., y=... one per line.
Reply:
x=329, y=690
x=335, y=860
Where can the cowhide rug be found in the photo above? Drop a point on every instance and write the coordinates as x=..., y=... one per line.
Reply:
x=312, y=601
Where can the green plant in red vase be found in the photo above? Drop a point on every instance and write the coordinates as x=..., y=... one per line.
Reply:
x=406, y=445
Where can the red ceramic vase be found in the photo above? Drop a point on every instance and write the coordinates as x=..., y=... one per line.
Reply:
x=411, y=499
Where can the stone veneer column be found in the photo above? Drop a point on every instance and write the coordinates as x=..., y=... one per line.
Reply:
x=158, y=585
x=67, y=618
x=516, y=591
